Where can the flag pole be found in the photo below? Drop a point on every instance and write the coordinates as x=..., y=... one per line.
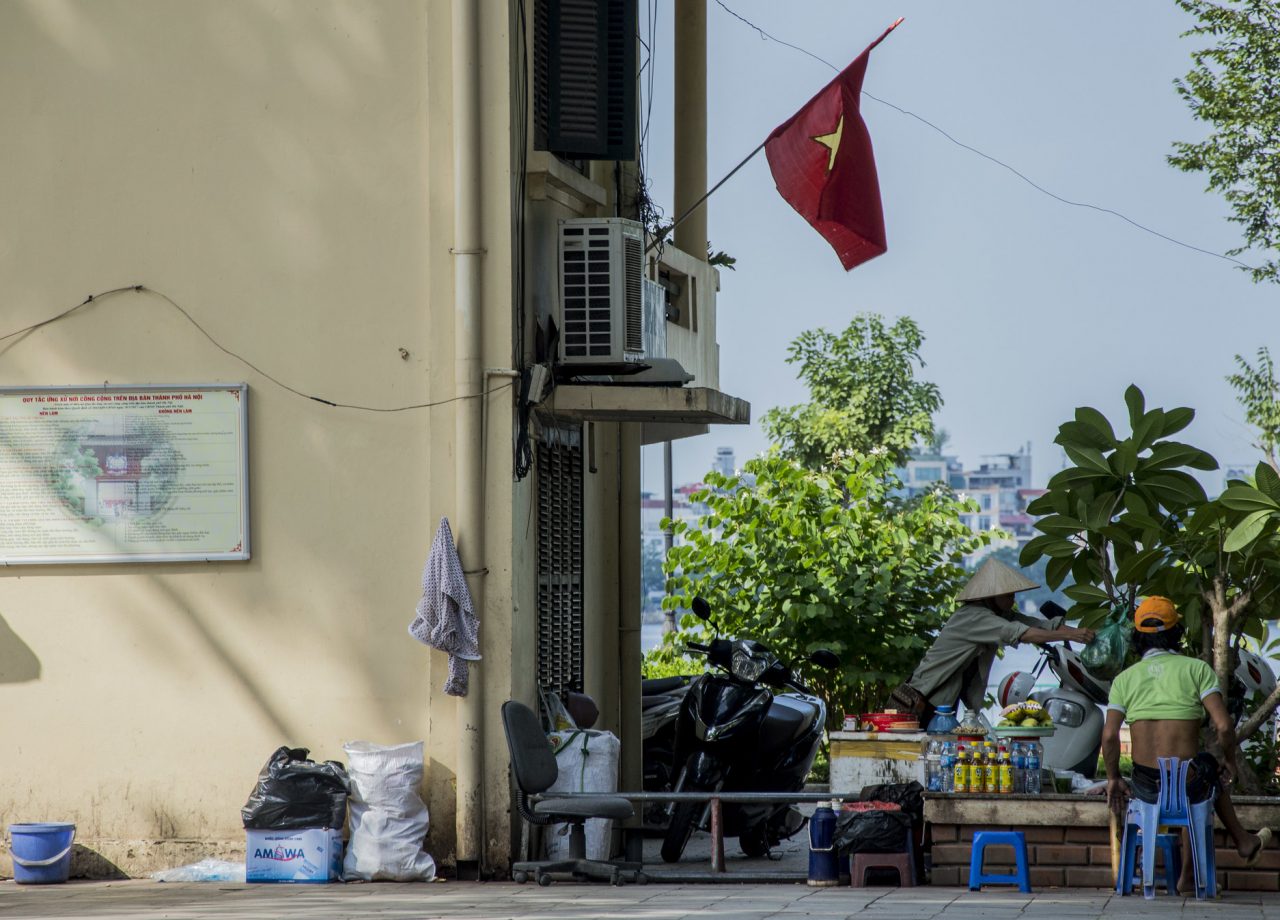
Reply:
x=662, y=235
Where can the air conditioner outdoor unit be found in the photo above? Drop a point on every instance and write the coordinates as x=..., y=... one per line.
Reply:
x=601, y=317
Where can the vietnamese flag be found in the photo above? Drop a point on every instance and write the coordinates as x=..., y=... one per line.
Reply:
x=822, y=163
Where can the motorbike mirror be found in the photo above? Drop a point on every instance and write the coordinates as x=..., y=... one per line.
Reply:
x=825, y=658
x=701, y=609
x=1049, y=610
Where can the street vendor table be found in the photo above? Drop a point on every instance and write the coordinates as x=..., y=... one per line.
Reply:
x=868, y=758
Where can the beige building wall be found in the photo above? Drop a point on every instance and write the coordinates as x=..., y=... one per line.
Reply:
x=282, y=172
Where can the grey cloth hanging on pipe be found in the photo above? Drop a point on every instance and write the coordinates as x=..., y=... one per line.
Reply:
x=445, y=617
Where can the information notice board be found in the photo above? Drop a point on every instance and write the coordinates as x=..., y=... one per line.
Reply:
x=124, y=474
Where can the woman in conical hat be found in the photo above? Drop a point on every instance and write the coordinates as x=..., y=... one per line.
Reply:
x=958, y=664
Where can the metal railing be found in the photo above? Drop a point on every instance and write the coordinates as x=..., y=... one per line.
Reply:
x=715, y=800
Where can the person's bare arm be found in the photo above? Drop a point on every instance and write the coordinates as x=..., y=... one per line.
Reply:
x=1038, y=636
x=1117, y=792
x=1226, y=730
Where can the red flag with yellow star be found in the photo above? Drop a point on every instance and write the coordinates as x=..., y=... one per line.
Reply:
x=822, y=163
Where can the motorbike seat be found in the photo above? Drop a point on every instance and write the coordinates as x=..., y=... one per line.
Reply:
x=656, y=685
x=786, y=720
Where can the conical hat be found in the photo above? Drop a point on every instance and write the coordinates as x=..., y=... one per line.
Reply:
x=992, y=579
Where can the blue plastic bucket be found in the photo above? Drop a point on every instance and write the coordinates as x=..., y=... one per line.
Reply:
x=41, y=852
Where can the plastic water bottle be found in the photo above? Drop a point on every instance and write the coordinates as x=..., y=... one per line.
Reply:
x=1019, y=757
x=1033, y=768
x=948, y=767
x=824, y=866
x=944, y=721
x=933, y=766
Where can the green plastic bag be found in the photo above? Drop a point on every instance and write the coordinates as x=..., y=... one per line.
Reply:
x=1105, y=656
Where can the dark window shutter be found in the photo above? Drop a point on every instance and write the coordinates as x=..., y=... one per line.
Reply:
x=584, y=73
x=560, y=560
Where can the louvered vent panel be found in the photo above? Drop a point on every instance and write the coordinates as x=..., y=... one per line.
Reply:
x=560, y=561
x=619, y=75
x=585, y=78
x=633, y=269
x=541, y=91
x=580, y=68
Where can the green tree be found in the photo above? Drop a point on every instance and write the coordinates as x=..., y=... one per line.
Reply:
x=1129, y=519
x=863, y=393
x=802, y=559
x=1234, y=85
x=1258, y=392
x=652, y=579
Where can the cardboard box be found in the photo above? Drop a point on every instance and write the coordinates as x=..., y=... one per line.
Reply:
x=313, y=854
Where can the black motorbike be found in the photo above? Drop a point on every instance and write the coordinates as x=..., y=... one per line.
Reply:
x=659, y=707
x=734, y=733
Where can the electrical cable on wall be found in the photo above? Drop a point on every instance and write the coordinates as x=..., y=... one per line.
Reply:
x=143, y=289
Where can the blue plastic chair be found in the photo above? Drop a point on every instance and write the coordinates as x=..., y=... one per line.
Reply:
x=1173, y=810
x=1128, y=875
x=984, y=839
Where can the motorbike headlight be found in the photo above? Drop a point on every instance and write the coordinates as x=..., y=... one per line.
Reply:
x=1065, y=713
x=744, y=667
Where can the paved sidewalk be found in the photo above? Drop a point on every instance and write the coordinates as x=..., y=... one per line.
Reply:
x=501, y=900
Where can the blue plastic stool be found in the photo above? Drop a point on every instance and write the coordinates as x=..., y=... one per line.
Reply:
x=1129, y=873
x=984, y=839
x=1173, y=810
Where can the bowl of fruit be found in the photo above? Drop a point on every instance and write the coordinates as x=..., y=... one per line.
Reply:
x=1024, y=720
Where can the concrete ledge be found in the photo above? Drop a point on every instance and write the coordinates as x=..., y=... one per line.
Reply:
x=605, y=403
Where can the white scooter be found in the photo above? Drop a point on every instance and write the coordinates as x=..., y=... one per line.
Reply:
x=1077, y=704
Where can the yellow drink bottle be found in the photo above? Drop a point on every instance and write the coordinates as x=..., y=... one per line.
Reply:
x=961, y=770
x=1004, y=776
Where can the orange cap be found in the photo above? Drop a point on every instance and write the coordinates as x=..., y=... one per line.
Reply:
x=1155, y=615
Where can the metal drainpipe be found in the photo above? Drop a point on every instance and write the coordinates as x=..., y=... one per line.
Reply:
x=468, y=391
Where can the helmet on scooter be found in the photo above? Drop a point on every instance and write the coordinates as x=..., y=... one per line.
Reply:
x=1014, y=688
x=1254, y=674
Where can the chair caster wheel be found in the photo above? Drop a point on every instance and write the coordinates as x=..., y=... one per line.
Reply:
x=544, y=879
x=642, y=879
x=520, y=877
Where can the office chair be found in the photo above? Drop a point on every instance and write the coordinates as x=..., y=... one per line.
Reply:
x=535, y=770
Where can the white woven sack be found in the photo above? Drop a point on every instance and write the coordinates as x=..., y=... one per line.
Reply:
x=588, y=762
x=388, y=818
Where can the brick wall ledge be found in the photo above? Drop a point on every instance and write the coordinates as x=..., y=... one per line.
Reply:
x=1063, y=810
x=1068, y=840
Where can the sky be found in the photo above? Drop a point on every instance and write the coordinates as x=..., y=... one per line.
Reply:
x=1029, y=307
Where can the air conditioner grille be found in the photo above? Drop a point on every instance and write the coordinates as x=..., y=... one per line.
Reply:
x=632, y=263
x=588, y=326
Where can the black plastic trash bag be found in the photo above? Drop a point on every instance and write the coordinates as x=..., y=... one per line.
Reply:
x=872, y=832
x=907, y=796
x=1105, y=656
x=294, y=792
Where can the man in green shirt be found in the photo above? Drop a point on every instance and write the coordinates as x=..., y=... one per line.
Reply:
x=1164, y=698
x=958, y=664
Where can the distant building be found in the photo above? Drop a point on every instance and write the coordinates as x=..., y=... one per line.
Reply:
x=726, y=464
x=926, y=468
x=1000, y=486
